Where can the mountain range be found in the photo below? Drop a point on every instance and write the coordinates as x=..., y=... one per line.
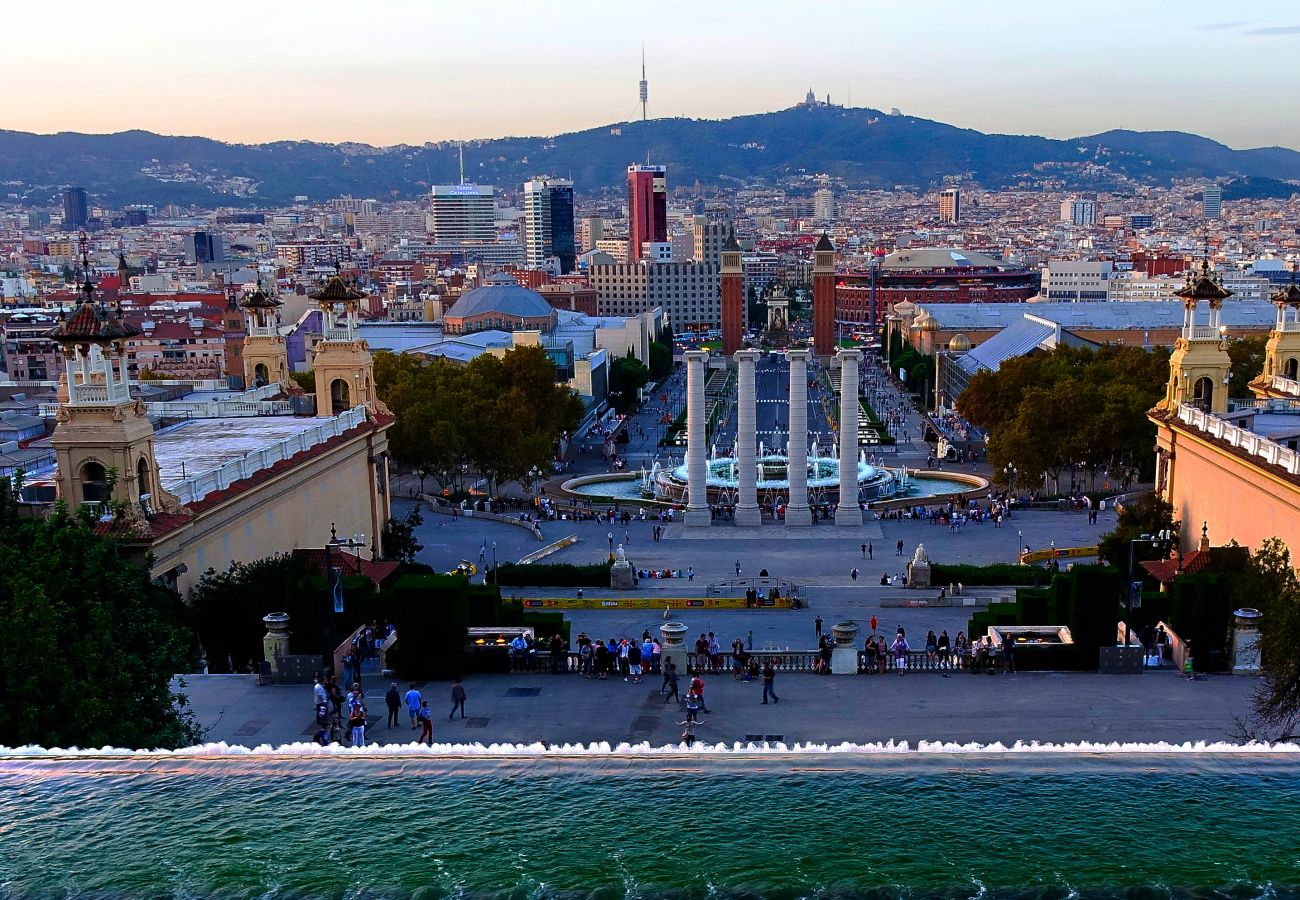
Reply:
x=860, y=146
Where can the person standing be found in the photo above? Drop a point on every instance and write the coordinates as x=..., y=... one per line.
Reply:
x=817, y=627
x=871, y=551
x=357, y=724
x=697, y=688
x=413, y=705
x=457, y=700
x=864, y=551
x=898, y=547
x=394, y=702
x=769, y=679
x=900, y=651
x=426, y=724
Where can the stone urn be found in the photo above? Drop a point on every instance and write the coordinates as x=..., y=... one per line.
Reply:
x=845, y=632
x=674, y=636
x=275, y=643
x=1245, y=641
x=844, y=655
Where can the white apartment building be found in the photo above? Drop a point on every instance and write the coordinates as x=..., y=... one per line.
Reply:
x=688, y=292
x=393, y=224
x=824, y=206
x=1129, y=286
x=462, y=212
x=1079, y=212
x=1077, y=281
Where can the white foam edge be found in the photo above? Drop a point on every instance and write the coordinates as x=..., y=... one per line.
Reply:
x=645, y=749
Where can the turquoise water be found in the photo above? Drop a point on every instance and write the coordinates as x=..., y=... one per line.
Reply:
x=979, y=825
x=922, y=487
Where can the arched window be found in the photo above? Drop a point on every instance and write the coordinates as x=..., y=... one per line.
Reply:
x=1290, y=367
x=1203, y=394
x=339, y=399
x=143, y=484
x=94, y=483
x=261, y=375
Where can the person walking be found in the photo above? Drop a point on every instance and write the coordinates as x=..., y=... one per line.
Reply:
x=853, y=573
x=769, y=678
x=864, y=551
x=898, y=547
x=426, y=723
x=737, y=568
x=871, y=551
x=669, y=689
x=457, y=699
x=413, y=705
x=817, y=627
x=394, y=702
x=697, y=688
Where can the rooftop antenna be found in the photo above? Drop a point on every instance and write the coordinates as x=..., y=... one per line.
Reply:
x=462, y=162
x=645, y=86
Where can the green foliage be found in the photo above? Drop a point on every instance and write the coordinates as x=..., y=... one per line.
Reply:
x=1046, y=412
x=305, y=380
x=1247, y=355
x=661, y=360
x=553, y=575
x=1269, y=584
x=1201, y=612
x=1149, y=514
x=89, y=644
x=399, y=537
x=498, y=417
x=993, y=574
x=431, y=613
x=627, y=375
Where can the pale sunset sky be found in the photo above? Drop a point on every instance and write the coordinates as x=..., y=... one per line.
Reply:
x=409, y=71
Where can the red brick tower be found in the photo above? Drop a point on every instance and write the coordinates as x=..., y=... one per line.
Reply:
x=733, y=296
x=824, y=297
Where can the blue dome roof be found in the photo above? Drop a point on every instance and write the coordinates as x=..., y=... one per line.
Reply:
x=502, y=295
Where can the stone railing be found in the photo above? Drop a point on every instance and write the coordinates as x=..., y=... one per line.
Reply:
x=786, y=661
x=1253, y=444
x=1286, y=385
x=1203, y=333
x=248, y=403
x=196, y=487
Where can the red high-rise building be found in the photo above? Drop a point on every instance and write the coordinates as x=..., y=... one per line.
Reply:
x=647, y=208
x=824, y=297
x=733, y=296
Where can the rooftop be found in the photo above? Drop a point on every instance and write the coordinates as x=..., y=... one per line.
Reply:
x=1142, y=314
x=202, y=445
x=504, y=296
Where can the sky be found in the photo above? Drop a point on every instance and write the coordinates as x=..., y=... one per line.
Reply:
x=409, y=71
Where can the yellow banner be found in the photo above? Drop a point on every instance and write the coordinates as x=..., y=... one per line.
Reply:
x=1035, y=556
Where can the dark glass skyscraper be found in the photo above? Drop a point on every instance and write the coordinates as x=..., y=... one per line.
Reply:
x=76, y=212
x=563, y=244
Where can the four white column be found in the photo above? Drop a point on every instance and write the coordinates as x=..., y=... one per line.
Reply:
x=697, y=491
x=747, y=511
x=848, y=512
x=797, y=512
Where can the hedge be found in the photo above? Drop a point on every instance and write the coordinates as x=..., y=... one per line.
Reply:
x=995, y=574
x=552, y=575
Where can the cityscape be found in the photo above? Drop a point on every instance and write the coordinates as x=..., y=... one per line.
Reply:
x=974, y=439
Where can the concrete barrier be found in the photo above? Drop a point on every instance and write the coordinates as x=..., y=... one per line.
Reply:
x=436, y=505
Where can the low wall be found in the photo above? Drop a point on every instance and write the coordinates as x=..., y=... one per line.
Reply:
x=546, y=551
x=436, y=505
x=978, y=487
x=651, y=603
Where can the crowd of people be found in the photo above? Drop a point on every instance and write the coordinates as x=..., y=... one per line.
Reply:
x=347, y=727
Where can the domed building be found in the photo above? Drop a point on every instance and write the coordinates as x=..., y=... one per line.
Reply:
x=499, y=304
x=959, y=343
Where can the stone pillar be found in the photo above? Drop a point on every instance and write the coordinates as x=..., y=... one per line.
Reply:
x=796, y=510
x=844, y=655
x=1245, y=641
x=747, y=511
x=697, y=496
x=275, y=643
x=848, y=512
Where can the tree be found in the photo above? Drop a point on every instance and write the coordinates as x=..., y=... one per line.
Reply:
x=1247, y=355
x=661, y=360
x=626, y=378
x=1269, y=584
x=399, y=538
x=90, y=643
x=305, y=380
x=1149, y=514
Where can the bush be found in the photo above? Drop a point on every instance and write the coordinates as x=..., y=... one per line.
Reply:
x=995, y=574
x=554, y=575
x=431, y=613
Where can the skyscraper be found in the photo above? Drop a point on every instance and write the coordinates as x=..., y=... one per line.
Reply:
x=204, y=247
x=950, y=206
x=76, y=212
x=1079, y=212
x=462, y=212
x=824, y=206
x=647, y=208
x=548, y=223
x=1212, y=201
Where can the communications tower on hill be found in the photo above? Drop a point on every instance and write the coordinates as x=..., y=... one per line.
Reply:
x=645, y=86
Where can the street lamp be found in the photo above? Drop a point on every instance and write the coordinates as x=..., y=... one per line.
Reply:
x=1010, y=471
x=1162, y=540
x=494, y=560
x=1020, y=544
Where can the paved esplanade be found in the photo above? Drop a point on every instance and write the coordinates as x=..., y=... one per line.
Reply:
x=747, y=511
x=797, y=512
x=849, y=511
x=697, y=496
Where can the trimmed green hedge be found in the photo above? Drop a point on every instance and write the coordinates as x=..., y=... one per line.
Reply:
x=995, y=574
x=552, y=575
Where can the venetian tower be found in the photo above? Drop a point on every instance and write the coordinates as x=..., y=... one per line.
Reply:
x=1282, y=352
x=733, y=296
x=344, y=368
x=1199, y=366
x=103, y=439
x=266, y=356
x=824, y=297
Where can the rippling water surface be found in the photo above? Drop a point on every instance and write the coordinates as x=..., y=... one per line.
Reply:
x=782, y=826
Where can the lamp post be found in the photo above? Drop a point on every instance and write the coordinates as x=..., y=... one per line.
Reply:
x=1162, y=540
x=1010, y=471
x=1020, y=544
x=494, y=560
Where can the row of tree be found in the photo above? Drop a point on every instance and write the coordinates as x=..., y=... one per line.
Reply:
x=1048, y=412
x=497, y=418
